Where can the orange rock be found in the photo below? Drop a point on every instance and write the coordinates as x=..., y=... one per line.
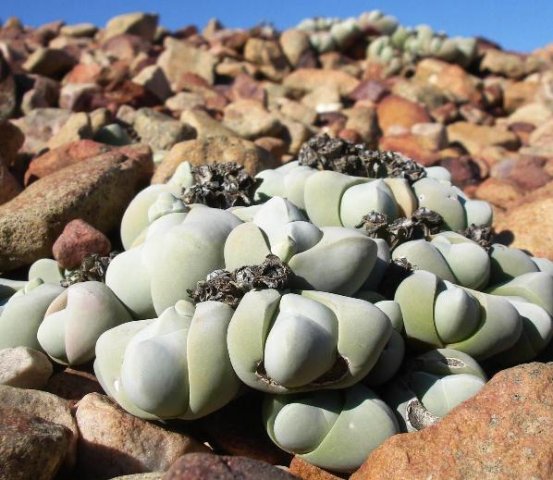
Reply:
x=415, y=147
x=398, y=111
x=306, y=471
x=530, y=223
x=502, y=433
x=63, y=156
x=498, y=192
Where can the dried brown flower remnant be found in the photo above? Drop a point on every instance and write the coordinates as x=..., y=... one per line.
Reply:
x=93, y=267
x=398, y=270
x=325, y=153
x=221, y=185
x=230, y=287
x=479, y=234
x=422, y=223
x=418, y=417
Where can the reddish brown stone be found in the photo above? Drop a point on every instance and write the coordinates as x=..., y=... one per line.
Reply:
x=300, y=468
x=62, y=157
x=78, y=240
x=350, y=135
x=199, y=466
x=245, y=87
x=372, y=90
x=504, y=432
x=84, y=73
x=464, y=171
x=275, y=146
x=73, y=385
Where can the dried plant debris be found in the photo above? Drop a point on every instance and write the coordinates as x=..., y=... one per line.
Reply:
x=221, y=185
x=230, y=287
x=418, y=417
x=93, y=267
x=479, y=234
x=422, y=223
x=325, y=153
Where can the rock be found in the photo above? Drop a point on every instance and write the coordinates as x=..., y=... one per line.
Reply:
x=184, y=101
x=142, y=476
x=24, y=367
x=250, y=120
x=295, y=44
x=265, y=52
x=153, y=79
x=416, y=147
x=463, y=169
x=364, y=121
x=295, y=134
x=197, y=466
x=246, y=88
x=517, y=94
x=11, y=140
x=275, y=146
x=498, y=192
x=9, y=186
x=214, y=150
x=30, y=447
x=114, y=442
x=533, y=113
x=541, y=140
x=8, y=99
x=142, y=25
x=473, y=114
x=501, y=433
x=44, y=94
x=306, y=471
x=62, y=157
x=397, y=111
x=308, y=79
x=50, y=62
x=39, y=126
x=527, y=172
x=371, y=90
x=158, y=130
x=85, y=73
x=323, y=99
x=77, y=96
x=297, y=111
x=79, y=30
x=98, y=191
x=76, y=128
x=78, y=240
x=235, y=430
x=475, y=137
x=510, y=65
x=205, y=125
x=46, y=407
x=529, y=221
x=452, y=80
x=433, y=132
x=72, y=385
x=179, y=58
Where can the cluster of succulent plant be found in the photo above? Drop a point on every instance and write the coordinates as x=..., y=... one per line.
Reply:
x=389, y=43
x=356, y=289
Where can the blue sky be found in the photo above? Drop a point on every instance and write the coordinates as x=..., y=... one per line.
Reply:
x=520, y=25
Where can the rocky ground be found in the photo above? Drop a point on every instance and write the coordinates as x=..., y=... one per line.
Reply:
x=90, y=116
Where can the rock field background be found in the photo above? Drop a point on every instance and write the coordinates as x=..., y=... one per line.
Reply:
x=89, y=116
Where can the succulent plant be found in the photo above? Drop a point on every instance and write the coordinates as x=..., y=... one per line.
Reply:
x=405, y=46
x=178, y=250
x=337, y=183
x=451, y=257
x=433, y=384
x=76, y=318
x=23, y=313
x=438, y=314
x=335, y=430
x=288, y=342
x=332, y=259
x=174, y=366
